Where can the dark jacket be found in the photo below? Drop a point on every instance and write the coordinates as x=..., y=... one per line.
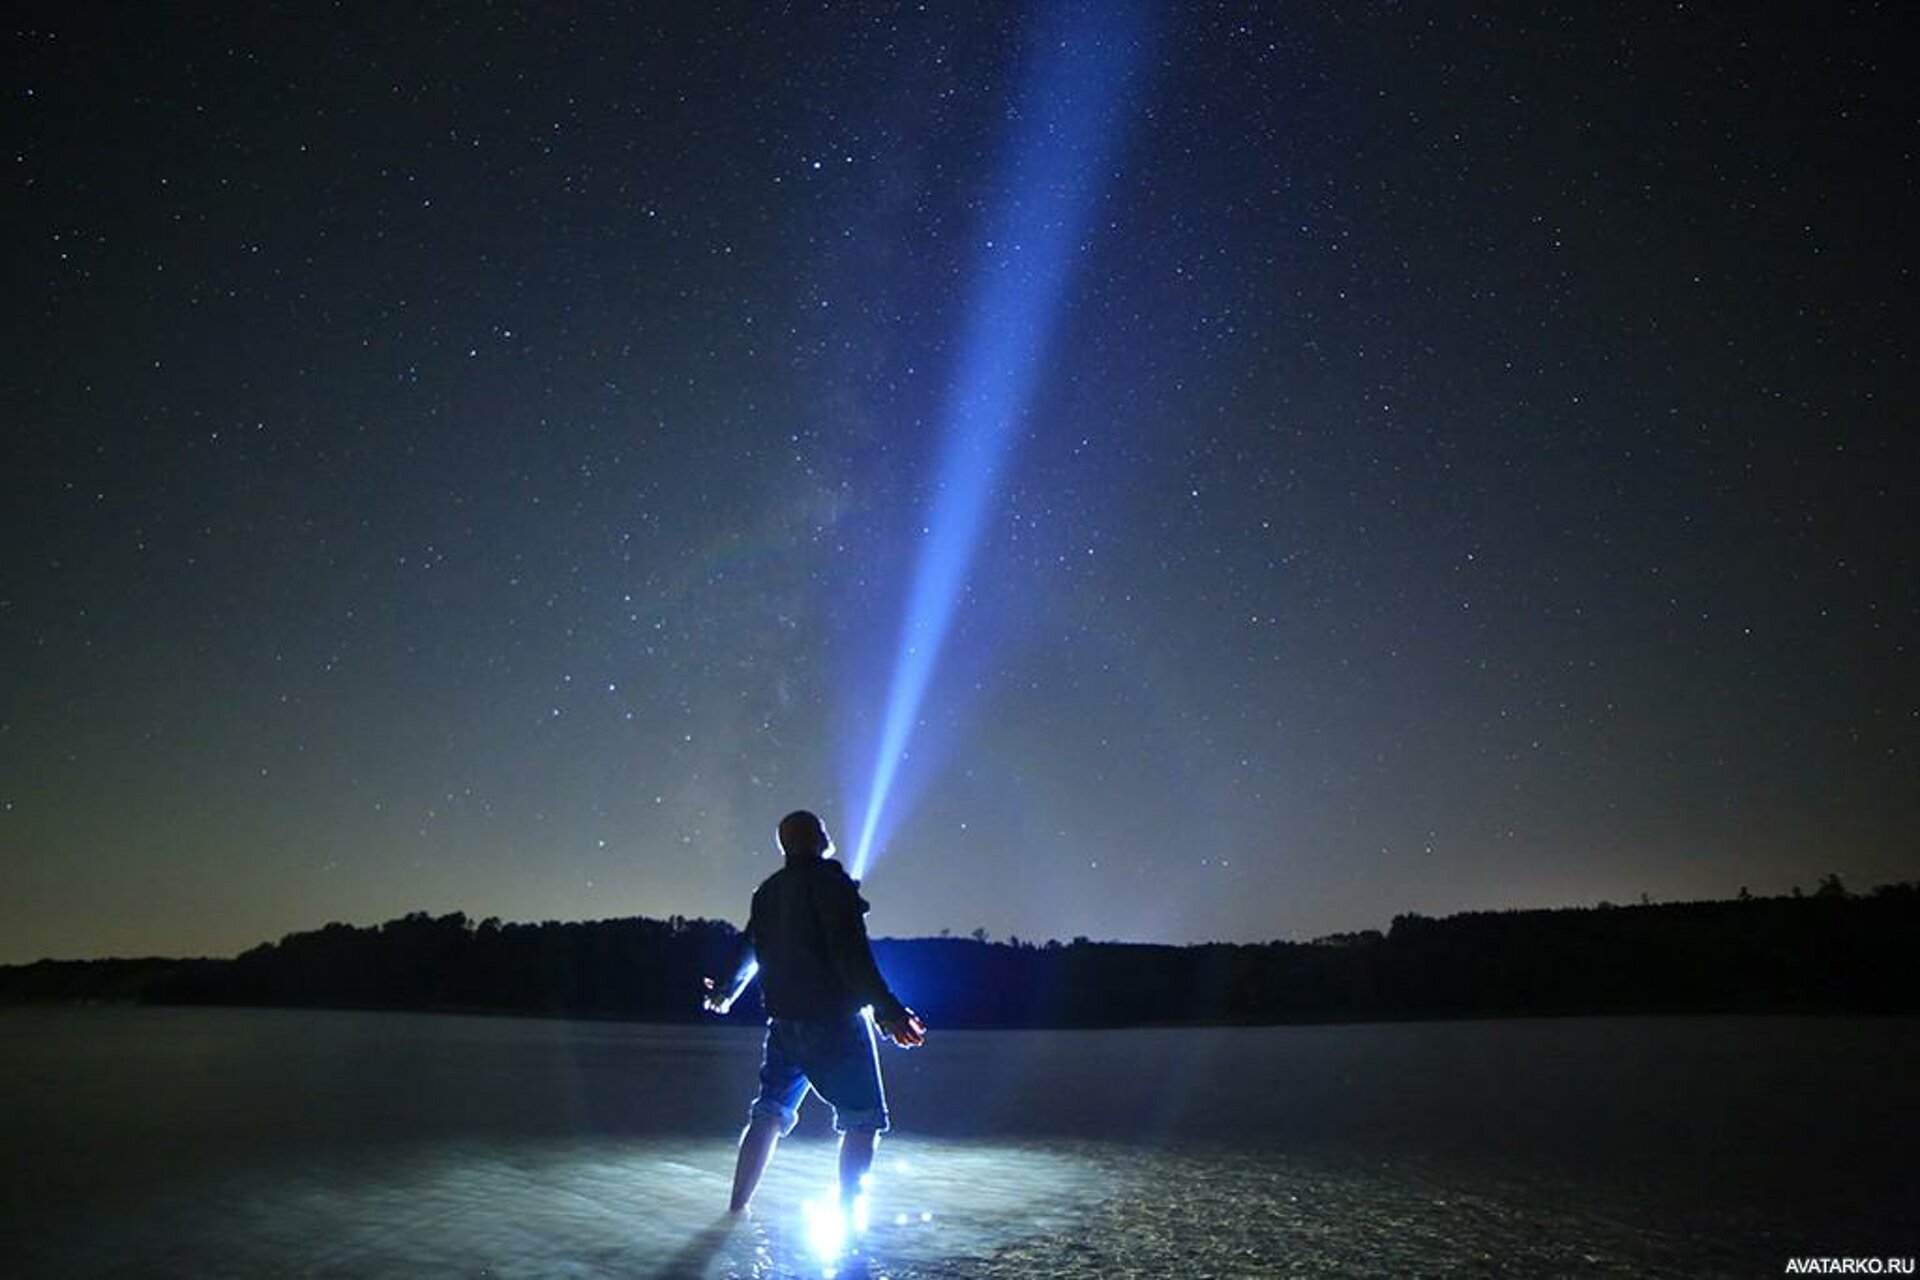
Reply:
x=807, y=932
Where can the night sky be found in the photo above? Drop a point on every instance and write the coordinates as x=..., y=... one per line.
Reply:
x=474, y=457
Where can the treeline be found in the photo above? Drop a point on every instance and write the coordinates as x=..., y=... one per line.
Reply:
x=1831, y=952
x=633, y=968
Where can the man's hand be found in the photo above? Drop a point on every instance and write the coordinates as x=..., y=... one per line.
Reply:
x=716, y=1000
x=907, y=1030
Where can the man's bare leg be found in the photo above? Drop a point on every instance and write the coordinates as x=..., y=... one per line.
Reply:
x=757, y=1141
x=856, y=1158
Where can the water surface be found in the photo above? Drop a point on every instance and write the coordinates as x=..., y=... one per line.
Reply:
x=178, y=1142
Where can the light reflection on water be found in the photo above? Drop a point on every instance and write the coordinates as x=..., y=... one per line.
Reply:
x=265, y=1143
x=945, y=1209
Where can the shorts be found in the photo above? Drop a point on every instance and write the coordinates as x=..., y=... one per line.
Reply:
x=835, y=1056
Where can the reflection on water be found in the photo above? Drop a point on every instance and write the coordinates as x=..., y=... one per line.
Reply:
x=948, y=1209
x=240, y=1143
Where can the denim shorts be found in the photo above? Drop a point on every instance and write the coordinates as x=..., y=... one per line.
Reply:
x=835, y=1056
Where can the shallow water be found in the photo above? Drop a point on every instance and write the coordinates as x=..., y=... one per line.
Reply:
x=951, y=1209
x=252, y=1143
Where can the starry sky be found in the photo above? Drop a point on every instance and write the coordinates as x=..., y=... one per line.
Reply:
x=473, y=457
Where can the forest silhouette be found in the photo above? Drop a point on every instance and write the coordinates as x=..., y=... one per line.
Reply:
x=1826, y=952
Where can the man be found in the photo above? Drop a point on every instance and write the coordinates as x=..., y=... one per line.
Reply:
x=818, y=977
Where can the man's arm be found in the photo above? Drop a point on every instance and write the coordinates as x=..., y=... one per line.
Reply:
x=851, y=954
x=720, y=997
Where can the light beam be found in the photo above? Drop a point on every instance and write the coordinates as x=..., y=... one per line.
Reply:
x=1065, y=134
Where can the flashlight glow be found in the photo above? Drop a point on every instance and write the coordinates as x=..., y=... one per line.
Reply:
x=829, y=1225
x=826, y=1228
x=747, y=975
x=1065, y=134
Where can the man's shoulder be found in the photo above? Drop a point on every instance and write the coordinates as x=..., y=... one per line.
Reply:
x=831, y=874
x=767, y=888
x=826, y=880
x=837, y=885
x=811, y=869
x=824, y=872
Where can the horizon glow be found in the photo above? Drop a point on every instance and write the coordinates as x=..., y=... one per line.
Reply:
x=1066, y=130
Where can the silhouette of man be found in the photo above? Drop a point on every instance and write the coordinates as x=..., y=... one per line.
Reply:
x=817, y=976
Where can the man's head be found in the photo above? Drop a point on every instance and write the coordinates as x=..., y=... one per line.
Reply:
x=802, y=836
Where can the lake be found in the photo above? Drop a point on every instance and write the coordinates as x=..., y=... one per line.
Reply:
x=202, y=1142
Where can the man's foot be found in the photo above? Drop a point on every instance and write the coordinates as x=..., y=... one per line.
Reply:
x=835, y=1229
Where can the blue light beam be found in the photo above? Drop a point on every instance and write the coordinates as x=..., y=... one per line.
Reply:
x=1065, y=135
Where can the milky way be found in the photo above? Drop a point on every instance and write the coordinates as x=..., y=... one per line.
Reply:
x=477, y=460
